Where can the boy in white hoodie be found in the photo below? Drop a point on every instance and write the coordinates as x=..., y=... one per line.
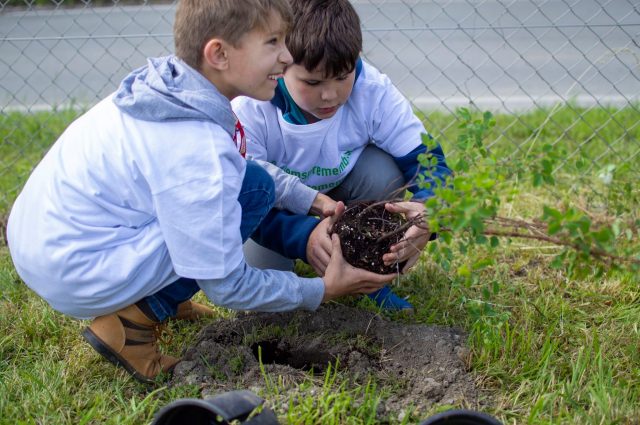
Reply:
x=146, y=198
x=343, y=128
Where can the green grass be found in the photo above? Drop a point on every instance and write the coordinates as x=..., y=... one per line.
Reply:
x=24, y=138
x=546, y=349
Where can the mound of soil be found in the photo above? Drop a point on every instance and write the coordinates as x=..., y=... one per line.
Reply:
x=425, y=365
x=367, y=231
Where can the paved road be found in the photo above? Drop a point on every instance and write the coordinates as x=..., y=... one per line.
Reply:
x=439, y=53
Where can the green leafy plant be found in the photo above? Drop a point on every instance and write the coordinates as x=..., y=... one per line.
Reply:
x=466, y=209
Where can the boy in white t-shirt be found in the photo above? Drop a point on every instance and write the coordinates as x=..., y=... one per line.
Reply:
x=146, y=198
x=342, y=127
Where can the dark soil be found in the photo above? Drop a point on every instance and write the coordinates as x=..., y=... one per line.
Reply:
x=422, y=366
x=367, y=231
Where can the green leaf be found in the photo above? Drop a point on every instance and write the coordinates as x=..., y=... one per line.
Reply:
x=558, y=261
x=463, y=271
x=481, y=264
x=585, y=224
x=615, y=228
x=461, y=165
x=548, y=179
x=485, y=293
x=464, y=113
x=496, y=287
x=604, y=235
x=550, y=212
x=478, y=227
x=581, y=164
x=431, y=203
x=553, y=227
x=537, y=179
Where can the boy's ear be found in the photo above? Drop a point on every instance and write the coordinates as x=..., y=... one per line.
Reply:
x=215, y=54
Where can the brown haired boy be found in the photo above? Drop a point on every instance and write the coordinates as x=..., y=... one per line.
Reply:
x=146, y=198
x=343, y=128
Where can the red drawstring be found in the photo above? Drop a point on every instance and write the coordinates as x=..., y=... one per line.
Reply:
x=239, y=139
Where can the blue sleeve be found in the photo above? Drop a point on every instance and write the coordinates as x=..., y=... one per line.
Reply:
x=286, y=233
x=411, y=168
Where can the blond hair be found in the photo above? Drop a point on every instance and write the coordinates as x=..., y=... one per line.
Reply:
x=198, y=21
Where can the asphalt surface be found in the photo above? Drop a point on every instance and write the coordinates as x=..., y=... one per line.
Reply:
x=441, y=54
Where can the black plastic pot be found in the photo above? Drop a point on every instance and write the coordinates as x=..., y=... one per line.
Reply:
x=219, y=410
x=461, y=417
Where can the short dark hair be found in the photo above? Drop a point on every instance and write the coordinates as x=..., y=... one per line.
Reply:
x=325, y=33
x=198, y=21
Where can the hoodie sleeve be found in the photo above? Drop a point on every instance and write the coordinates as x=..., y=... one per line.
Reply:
x=246, y=288
x=411, y=168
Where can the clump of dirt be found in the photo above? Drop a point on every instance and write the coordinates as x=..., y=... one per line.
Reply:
x=367, y=231
x=424, y=365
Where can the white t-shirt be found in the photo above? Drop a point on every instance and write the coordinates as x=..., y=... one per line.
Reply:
x=119, y=208
x=321, y=154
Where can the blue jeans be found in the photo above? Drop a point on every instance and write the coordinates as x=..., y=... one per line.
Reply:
x=257, y=197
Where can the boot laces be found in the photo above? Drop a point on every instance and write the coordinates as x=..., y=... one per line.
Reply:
x=162, y=333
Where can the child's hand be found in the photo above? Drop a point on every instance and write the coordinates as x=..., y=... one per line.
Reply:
x=319, y=244
x=341, y=278
x=414, y=240
x=323, y=206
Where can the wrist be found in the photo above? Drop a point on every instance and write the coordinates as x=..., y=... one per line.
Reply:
x=323, y=205
x=328, y=294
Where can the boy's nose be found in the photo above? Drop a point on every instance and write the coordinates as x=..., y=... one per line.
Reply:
x=328, y=94
x=285, y=57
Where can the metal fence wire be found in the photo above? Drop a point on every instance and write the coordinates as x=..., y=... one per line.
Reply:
x=511, y=57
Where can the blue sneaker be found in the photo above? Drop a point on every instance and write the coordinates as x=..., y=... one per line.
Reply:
x=387, y=300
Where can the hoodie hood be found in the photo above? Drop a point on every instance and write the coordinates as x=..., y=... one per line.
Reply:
x=167, y=89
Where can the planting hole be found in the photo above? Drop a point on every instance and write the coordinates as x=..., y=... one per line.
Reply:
x=274, y=352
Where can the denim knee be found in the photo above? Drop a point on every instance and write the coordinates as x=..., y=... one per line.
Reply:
x=257, y=197
x=375, y=176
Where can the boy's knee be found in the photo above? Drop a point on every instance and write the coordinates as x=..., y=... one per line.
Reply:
x=375, y=176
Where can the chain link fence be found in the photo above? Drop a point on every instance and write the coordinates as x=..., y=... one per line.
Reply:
x=568, y=68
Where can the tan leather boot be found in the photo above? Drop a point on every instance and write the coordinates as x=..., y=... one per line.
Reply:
x=190, y=310
x=128, y=338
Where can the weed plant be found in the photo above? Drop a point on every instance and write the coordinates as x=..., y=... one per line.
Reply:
x=545, y=346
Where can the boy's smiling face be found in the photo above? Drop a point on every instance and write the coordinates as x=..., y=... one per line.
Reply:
x=317, y=95
x=259, y=60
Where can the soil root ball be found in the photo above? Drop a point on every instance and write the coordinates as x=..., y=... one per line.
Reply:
x=363, y=230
